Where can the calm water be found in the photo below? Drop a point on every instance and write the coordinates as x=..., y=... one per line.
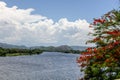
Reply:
x=46, y=66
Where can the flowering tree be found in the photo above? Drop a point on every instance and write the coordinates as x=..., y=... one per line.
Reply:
x=103, y=61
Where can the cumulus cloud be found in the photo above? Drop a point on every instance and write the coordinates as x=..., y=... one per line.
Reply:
x=19, y=26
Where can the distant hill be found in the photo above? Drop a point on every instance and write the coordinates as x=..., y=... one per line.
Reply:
x=48, y=48
x=4, y=45
x=52, y=48
x=81, y=48
x=62, y=47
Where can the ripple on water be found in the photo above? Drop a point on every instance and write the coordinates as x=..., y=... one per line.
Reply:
x=46, y=66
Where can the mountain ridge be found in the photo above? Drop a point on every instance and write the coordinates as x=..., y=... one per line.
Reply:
x=5, y=45
x=61, y=47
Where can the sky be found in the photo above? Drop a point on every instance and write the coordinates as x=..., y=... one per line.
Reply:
x=50, y=22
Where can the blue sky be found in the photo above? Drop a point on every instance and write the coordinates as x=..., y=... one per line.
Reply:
x=50, y=22
x=70, y=9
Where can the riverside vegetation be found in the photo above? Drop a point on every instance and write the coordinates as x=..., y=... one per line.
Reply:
x=33, y=51
x=17, y=52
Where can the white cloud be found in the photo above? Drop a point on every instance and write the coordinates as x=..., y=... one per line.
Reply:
x=19, y=26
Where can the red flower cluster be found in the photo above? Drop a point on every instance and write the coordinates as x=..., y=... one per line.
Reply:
x=86, y=56
x=96, y=39
x=116, y=42
x=111, y=45
x=83, y=59
x=114, y=33
x=98, y=21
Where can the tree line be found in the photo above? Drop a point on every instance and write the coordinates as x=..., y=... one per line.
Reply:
x=17, y=52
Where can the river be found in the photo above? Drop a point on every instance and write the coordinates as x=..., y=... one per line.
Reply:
x=46, y=66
